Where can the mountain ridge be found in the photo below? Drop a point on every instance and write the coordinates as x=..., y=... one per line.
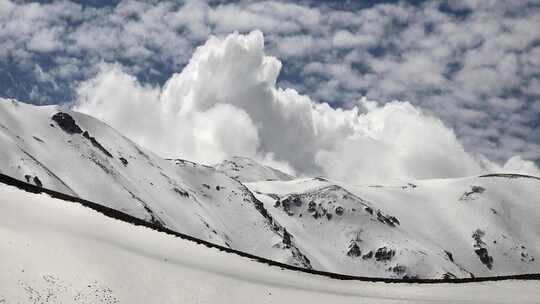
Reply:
x=428, y=229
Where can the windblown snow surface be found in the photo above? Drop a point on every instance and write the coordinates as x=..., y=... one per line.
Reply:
x=55, y=251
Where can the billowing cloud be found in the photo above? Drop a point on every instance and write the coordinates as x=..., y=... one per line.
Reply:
x=225, y=102
x=473, y=64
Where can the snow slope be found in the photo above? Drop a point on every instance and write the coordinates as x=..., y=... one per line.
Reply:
x=78, y=255
x=475, y=226
x=88, y=159
x=246, y=170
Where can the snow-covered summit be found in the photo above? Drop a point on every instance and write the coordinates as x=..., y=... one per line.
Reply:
x=474, y=226
x=247, y=170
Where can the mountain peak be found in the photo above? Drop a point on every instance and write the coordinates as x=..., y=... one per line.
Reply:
x=247, y=170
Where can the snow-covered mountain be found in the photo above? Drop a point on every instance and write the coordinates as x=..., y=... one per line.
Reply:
x=474, y=226
x=246, y=170
x=57, y=251
x=78, y=155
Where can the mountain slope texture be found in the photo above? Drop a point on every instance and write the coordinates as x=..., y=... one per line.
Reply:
x=478, y=226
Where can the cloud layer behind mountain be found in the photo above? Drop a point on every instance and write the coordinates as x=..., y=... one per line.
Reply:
x=225, y=102
x=473, y=64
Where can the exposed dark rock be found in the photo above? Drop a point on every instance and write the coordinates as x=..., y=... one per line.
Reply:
x=477, y=237
x=398, y=269
x=96, y=144
x=27, y=177
x=485, y=258
x=277, y=203
x=38, y=139
x=181, y=192
x=474, y=189
x=354, y=249
x=312, y=206
x=369, y=210
x=218, y=188
x=206, y=186
x=124, y=161
x=67, y=123
x=37, y=182
x=449, y=255
x=329, y=216
x=449, y=276
x=286, y=237
x=389, y=220
x=394, y=220
x=339, y=210
x=384, y=254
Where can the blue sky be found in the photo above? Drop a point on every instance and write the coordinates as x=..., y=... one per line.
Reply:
x=473, y=64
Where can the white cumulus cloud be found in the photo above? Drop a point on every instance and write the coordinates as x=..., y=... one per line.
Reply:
x=225, y=102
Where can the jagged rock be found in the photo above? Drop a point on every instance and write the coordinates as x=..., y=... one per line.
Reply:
x=354, y=249
x=181, y=192
x=27, y=177
x=329, y=216
x=485, y=258
x=67, y=123
x=477, y=237
x=37, y=182
x=339, y=210
x=312, y=206
x=96, y=144
x=449, y=255
x=449, y=276
x=368, y=255
x=384, y=254
x=124, y=161
x=474, y=189
x=286, y=237
x=369, y=210
x=398, y=269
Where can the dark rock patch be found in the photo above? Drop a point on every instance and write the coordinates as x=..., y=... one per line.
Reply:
x=484, y=256
x=67, y=123
x=181, y=192
x=286, y=238
x=449, y=276
x=384, y=254
x=37, y=182
x=27, y=177
x=96, y=144
x=38, y=139
x=339, y=210
x=312, y=206
x=369, y=210
x=354, y=250
x=368, y=255
x=329, y=216
x=398, y=269
x=124, y=161
x=481, y=248
x=474, y=190
x=449, y=255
